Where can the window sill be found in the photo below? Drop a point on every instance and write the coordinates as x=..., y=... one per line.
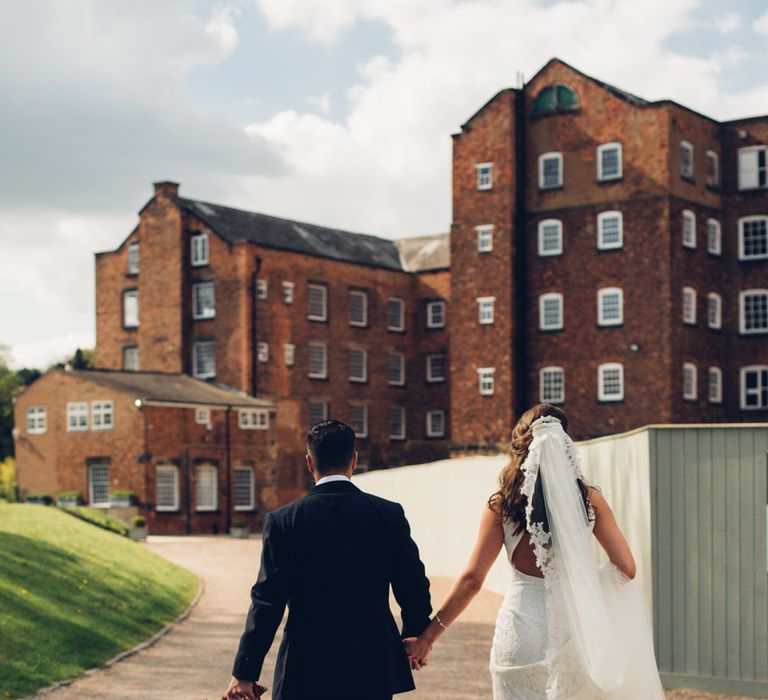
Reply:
x=396, y=330
x=323, y=377
x=553, y=188
x=167, y=511
x=203, y=318
x=712, y=188
x=246, y=509
x=358, y=325
x=435, y=381
x=610, y=180
x=316, y=319
x=132, y=275
x=688, y=178
x=609, y=248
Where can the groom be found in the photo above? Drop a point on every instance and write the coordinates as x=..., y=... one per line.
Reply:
x=331, y=557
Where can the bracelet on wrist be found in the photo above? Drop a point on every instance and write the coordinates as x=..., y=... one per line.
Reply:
x=440, y=622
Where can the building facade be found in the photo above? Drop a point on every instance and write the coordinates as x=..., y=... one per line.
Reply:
x=610, y=255
x=320, y=321
x=193, y=456
x=607, y=254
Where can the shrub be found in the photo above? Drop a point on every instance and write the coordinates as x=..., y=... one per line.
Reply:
x=138, y=521
x=44, y=499
x=239, y=523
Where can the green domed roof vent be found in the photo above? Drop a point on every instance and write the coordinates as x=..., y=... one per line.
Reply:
x=554, y=99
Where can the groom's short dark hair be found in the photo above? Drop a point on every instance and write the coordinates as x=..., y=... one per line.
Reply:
x=331, y=444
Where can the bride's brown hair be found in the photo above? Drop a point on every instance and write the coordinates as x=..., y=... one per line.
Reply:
x=509, y=498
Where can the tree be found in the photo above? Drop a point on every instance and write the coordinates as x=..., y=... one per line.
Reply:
x=11, y=381
x=82, y=359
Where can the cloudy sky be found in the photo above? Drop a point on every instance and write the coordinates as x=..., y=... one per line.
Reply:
x=337, y=112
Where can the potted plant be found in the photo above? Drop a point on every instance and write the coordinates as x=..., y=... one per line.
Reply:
x=122, y=499
x=138, y=529
x=42, y=499
x=239, y=529
x=69, y=499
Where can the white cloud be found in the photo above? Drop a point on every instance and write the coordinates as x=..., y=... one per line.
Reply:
x=760, y=25
x=321, y=102
x=221, y=28
x=725, y=24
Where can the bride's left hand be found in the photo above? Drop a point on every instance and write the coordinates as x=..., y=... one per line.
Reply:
x=418, y=651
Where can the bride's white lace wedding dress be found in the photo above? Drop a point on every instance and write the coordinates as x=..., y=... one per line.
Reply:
x=582, y=631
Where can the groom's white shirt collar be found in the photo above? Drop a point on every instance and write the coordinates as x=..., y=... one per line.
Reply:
x=332, y=477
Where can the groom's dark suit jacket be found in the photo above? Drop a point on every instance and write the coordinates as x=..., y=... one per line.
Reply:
x=331, y=557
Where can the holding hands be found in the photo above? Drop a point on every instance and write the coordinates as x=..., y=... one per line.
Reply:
x=418, y=651
x=244, y=690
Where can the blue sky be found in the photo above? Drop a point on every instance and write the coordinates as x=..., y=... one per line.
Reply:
x=337, y=112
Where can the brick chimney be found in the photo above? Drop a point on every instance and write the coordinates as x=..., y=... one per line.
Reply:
x=166, y=188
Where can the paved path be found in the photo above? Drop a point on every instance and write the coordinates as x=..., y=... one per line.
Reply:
x=194, y=660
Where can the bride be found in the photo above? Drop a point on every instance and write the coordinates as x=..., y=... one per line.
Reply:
x=567, y=628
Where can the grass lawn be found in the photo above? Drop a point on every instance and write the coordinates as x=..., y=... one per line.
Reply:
x=73, y=595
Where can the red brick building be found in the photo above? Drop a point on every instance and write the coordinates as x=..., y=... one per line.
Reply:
x=194, y=455
x=608, y=254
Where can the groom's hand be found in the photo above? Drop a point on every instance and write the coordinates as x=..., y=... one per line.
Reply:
x=242, y=690
x=418, y=651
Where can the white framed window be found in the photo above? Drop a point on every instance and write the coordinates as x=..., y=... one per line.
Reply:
x=358, y=419
x=99, y=494
x=262, y=289
x=102, y=415
x=199, y=249
x=358, y=365
x=253, y=419
x=436, y=368
x=358, y=308
x=690, y=381
x=166, y=487
x=131, y=358
x=754, y=387
x=485, y=310
x=131, y=308
x=318, y=411
x=435, y=423
x=714, y=237
x=262, y=351
x=396, y=369
x=395, y=314
x=203, y=300
x=289, y=354
x=37, y=420
x=550, y=171
x=288, y=289
x=610, y=382
x=485, y=380
x=689, y=229
x=133, y=258
x=753, y=238
x=610, y=230
x=484, y=175
x=753, y=169
x=551, y=311
x=713, y=169
x=203, y=359
x=206, y=487
x=318, y=360
x=77, y=416
x=715, y=393
x=686, y=160
x=317, y=302
x=609, y=164
x=396, y=423
x=610, y=306
x=550, y=237
x=484, y=238
x=436, y=314
x=753, y=311
x=689, y=306
x=714, y=310
x=203, y=416
x=244, y=486
x=552, y=385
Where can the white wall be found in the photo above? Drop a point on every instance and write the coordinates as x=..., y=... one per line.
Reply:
x=444, y=500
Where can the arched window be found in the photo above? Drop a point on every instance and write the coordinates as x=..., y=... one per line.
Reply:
x=554, y=99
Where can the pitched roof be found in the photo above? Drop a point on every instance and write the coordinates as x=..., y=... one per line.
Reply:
x=159, y=387
x=236, y=225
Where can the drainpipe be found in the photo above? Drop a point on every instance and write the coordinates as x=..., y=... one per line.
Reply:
x=228, y=467
x=254, y=317
x=521, y=253
x=187, y=495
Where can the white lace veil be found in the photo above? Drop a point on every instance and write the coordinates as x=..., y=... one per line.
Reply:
x=587, y=644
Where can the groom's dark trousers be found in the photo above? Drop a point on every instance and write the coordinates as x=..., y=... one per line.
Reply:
x=331, y=558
